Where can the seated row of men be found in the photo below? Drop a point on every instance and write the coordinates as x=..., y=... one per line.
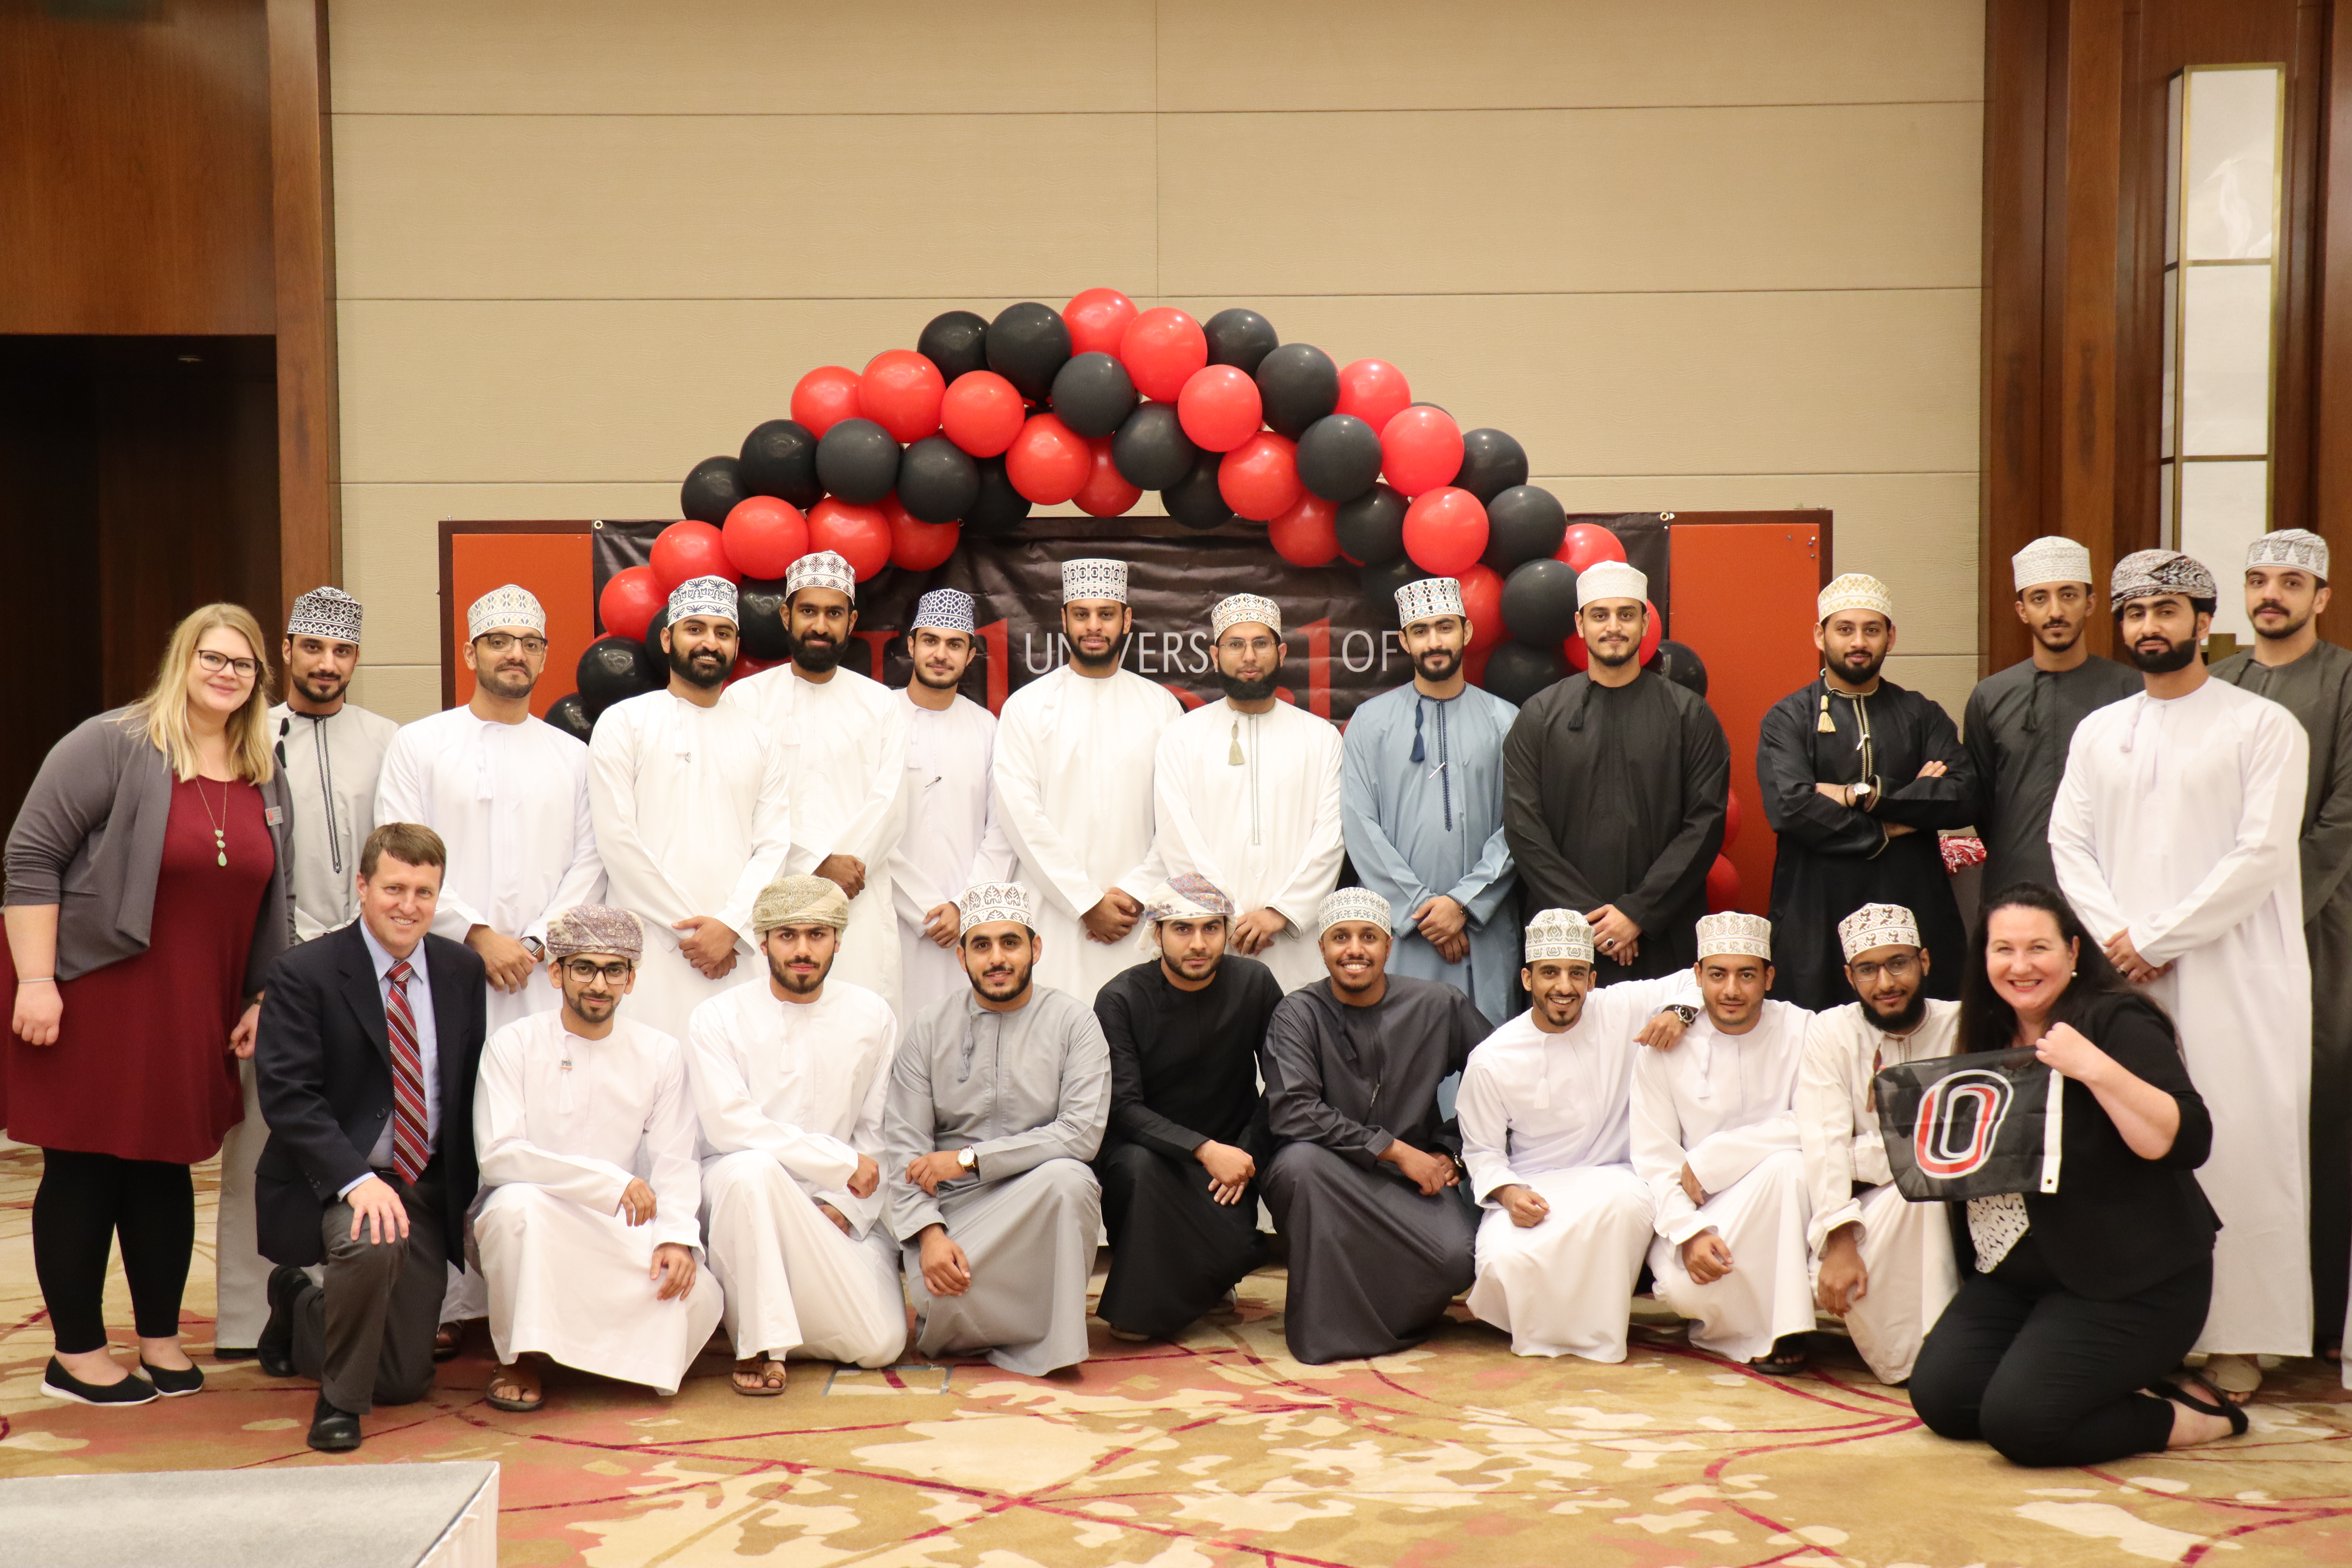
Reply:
x=797, y=1170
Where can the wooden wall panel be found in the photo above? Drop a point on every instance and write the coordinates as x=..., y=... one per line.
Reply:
x=302, y=182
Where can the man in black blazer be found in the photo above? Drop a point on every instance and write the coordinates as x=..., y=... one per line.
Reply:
x=368, y=1043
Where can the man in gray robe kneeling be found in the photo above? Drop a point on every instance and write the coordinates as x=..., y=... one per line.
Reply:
x=998, y=1098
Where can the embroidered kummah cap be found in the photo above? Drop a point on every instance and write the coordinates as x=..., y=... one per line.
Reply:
x=334, y=615
x=1239, y=607
x=1611, y=580
x=2145, y=574
x=1880, y=925
x=1351, y=904
x=987, y=904
x=2053, y=558
x=1561, y=935
x=944, y=610
x=1855, y=592
x=1427, y=599
x=596, y=928
x=1094, y=577
x=1748, y=936
x=713, y=597
x=821, y=569
x=509, y=609
x=799, y=901
x=2297, y=547
x=1186, y=896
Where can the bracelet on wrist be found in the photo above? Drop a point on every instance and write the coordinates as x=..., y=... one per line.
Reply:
x=37, y=979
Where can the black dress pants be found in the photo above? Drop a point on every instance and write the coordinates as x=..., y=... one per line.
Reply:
x=84, y=1204
x=366, y=1334
x=2049, y=1377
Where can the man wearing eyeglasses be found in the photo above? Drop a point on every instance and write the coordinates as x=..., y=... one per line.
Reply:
x=1880, y=1262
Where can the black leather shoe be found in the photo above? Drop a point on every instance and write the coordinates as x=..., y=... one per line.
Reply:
x=233, y=1352
x=276, y=1348
x=334, y=1431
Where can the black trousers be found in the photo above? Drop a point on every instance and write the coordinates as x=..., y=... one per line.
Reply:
x=85, y=1202
x=366, y=1334
x=2048, y=1377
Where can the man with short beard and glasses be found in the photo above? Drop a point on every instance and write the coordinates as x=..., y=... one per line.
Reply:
x=1857, y=775
x=951, y=839
x=692, y=808
x=2176, y=834
x=1072, y=785
x=997, y=1101
x=2019, y=720
x=1614, y=783
x=788, y=1079
x=1880, y=1262
x=844, y=745
x=2286, y=591
x=1420, y=807
x=1247, y=795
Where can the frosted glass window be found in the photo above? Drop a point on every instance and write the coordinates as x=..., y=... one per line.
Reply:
x=2231, y=165
x=2164, y=506
x=2225, y=362
x=2224, y=507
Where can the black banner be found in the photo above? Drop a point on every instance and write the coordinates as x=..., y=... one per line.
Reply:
x=1971, y=1127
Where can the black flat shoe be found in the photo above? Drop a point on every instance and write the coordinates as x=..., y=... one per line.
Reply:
x=275, y=1350
x=2220, y=1404
x=173, y=1384
x=59, y=1384
x=334, y=1431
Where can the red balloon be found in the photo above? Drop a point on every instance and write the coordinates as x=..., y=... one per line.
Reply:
x=764, y=535
x=1049, y=462
x=1587, y=543
x=900, y=391
x=1579, y=657
x=1219, y=407
x=1260, y=479
x=1305, y=535
x=982, y=413
x=1445, y=531
x=1097, y=319
x=1651, y=637
x=1420, y=449
x=1731, y=818
x=690, y=548
x=824, y=397
x=746, y=667
x=631, y=599
x=1162, y=349
x=1722, y=886
x=1474, y=662
x=1106, y=492
x=1482, y=604
x=1374, y=391
x=858, y=534
x=915, y=545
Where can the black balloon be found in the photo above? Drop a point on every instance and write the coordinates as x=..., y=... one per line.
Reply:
x=999, y=509
x=1678, y=664
x=1381, y=579
x=1152, y=451
x=1522, y=523
x=1372, y=527
x=956, y=342
x=1194, y=501
x=1028, y=343
x=1239, y=338
x=857, y=461
x=1516, y=673
x=780, y=459
x=1339, y=457
x=938, y=480
x=760, y=618
x=654, y=651
x=615, y=668
x=712, y=491
x=569, y=714
x=1093, y=395
x=1298, y=385
x=1539, y=603
x=1492, y=462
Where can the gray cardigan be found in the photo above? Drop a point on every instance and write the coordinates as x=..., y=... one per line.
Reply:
x=90, y=839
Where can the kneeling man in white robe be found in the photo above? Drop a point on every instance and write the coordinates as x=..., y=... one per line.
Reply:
x=1544, y=1111
x=587, y=1239
x=788, y=1079
x=1881, y=1262
x=1714, y=1137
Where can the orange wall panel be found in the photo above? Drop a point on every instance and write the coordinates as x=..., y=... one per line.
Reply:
x=558, y=567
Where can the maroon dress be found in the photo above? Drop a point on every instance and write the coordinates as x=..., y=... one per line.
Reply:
x=142, y=1068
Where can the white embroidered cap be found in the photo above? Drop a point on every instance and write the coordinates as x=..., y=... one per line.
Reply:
x=1880, y=925
x=1428, y=599
x=1560, y=935
x=1239, y=607
x=1747, y=936
x=2146, y=573
x=1094, y=577
x=1351, y=904
x=710, y=596
x=328, y=613
x=2053, y=558
x=821, y=569
x=1611, y=580
x=509, y=609
x=2297, y=547
x=1855, y=592
x=944, y=610
x=986, y=903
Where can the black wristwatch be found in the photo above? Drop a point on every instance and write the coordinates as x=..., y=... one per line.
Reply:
x=1688, y=1015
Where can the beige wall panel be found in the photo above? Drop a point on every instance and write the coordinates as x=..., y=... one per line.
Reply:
x=1652, y=200
x=1402, y=54
x=739, y=57
x=701, y=206
x=1947, y=678
x=400, y=693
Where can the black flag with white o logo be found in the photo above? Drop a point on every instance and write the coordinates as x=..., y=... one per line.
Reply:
x=1971, y=1127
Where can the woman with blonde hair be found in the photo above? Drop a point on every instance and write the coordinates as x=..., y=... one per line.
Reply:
x=147, y=892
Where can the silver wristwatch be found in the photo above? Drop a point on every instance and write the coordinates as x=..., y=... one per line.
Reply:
x=1688, y=1013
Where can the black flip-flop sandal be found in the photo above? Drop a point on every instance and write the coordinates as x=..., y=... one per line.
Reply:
x=1780, y=1363
x=2227, y=1409
x=520, y=1406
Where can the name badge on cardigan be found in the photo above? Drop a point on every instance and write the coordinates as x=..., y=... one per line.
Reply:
x=1972, y=1127
x=274, y=814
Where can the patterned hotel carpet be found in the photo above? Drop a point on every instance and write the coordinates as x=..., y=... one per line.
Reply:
x=1223, y=1451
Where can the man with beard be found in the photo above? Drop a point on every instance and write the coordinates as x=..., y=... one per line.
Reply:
x=1880, y=1262
x=2019, y=720
x=2175, y=837
x=1546, y=1106
x=996, y=1103
x=1073, y=786
x=2286, y=590
x=951, y=839
x=1857, y=775
x=1614, y=783
x=1247, y=795
x=1365, y=1186
x=788, y=1080
x=590, y=1264
x=1188, y=1136
x=1420, y=807
x=692, y=811
x=844, y=745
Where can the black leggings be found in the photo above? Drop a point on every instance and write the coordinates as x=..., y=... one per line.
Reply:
x=84, y=1201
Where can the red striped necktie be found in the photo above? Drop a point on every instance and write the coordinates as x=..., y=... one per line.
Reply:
x=411, y=1145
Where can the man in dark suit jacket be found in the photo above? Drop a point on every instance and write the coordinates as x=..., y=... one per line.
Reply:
x=359, y=1176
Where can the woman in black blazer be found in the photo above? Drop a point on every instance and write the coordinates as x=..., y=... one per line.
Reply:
x=2073, y=1302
